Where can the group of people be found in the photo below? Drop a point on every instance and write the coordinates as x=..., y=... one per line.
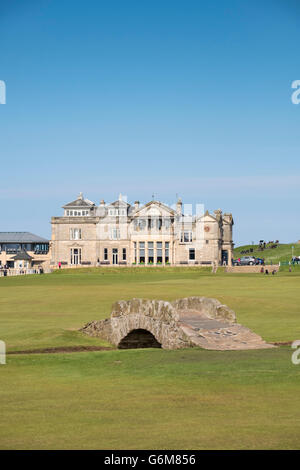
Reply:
x=5, y=270
x=266, y=271
x=271, y=244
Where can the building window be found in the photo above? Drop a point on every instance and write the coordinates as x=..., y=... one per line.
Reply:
x=159, y=257
x=105, y=254
x=75, y=233
x=115, y=259
x=142, y=252
x=115, y=233
x=207, y=242
x=124, y=254
x=150, y=252
x=116, y=212
x=192, y=254
x=186, y=237
x=139, y=224
x=135, y=256
x=150, y=223
x=167, y=246
x=41, y=248
x=77, y=213
x=167, y=222
x=11, y=247
x=75, y=256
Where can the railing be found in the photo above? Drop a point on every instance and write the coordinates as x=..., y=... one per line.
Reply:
x=289, y=263
x=22, y=272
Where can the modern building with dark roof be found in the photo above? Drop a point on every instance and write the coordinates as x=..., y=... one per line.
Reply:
x=22, y=255
x=21, y=237
x=21, y=249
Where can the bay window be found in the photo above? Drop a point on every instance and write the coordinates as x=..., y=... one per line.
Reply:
x=142, y=252
x=159, y=257
x=167, y=246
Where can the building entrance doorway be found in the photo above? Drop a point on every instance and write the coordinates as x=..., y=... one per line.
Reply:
x=224, y=257
x=115, y=256
x=75, y=255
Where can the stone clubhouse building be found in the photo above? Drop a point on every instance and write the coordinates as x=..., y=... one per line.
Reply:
x=119, y=233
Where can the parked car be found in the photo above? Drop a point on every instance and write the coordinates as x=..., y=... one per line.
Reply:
x=245, y=261
x=259, y=261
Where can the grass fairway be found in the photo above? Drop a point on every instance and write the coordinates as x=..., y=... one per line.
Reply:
x=146, y=398
x=151, y=399
x=46, y=311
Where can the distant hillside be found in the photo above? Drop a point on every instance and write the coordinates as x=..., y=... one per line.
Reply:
x=283, y=252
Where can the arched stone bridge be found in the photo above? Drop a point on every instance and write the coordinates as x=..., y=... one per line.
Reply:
x=188, y=322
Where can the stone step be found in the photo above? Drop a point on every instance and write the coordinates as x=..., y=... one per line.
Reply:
x=211, y=334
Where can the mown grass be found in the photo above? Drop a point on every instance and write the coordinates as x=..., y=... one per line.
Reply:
x=152, y=399
x=47, y=311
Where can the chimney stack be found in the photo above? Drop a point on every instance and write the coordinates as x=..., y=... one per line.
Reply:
x=137, y=205
x=218, y=214
x=179, y=206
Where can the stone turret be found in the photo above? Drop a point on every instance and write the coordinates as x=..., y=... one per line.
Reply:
x=228, y=217
x=218, y=214
x=227, y=224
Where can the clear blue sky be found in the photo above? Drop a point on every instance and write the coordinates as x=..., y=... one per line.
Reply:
x=142, y=97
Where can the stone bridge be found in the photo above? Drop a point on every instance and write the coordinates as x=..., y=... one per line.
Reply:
x=184, y=323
